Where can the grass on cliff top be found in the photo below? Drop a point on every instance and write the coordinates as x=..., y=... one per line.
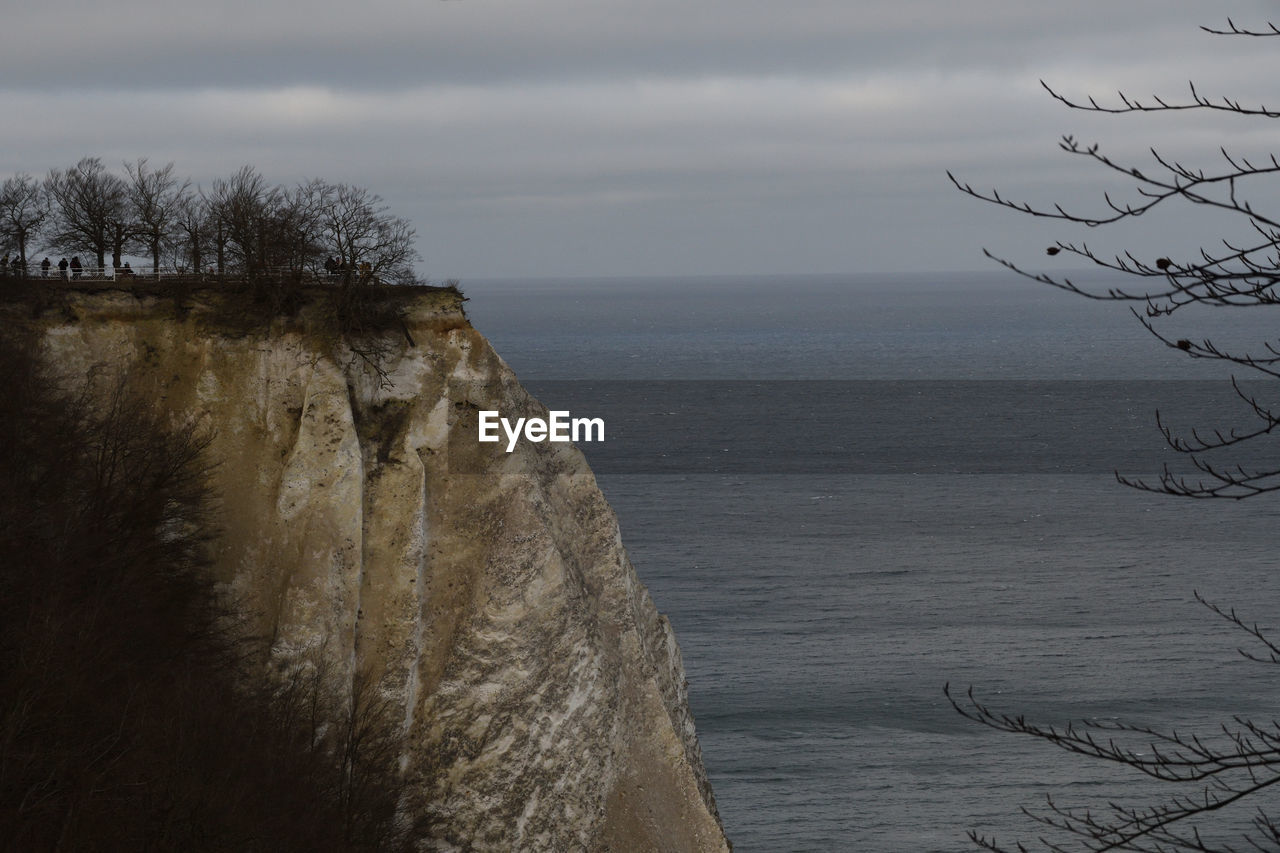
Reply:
x=283, y=294
x=360, y=319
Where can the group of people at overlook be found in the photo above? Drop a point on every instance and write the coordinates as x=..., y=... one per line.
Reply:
x=71, y=269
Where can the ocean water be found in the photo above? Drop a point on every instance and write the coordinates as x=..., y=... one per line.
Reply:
x=846, y=492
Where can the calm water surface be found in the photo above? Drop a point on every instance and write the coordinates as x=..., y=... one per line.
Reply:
x=821, y=607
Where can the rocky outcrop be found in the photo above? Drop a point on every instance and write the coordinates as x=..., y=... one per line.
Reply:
x=487, y=594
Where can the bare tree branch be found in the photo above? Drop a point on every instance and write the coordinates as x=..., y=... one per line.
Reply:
x=157, y=199
x=1240, y=762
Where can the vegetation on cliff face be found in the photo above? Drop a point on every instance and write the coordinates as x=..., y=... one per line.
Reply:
x=131, y=717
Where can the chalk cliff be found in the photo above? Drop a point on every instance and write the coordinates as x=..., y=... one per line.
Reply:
x=488, y=594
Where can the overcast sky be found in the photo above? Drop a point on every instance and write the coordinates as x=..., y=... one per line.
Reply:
x=617, y=137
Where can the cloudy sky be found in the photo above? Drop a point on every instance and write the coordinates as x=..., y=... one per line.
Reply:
x=618, y=137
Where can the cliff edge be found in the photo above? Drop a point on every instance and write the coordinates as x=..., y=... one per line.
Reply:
x=364, y=529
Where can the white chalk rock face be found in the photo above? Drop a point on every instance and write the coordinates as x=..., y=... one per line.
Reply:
x=487, y=593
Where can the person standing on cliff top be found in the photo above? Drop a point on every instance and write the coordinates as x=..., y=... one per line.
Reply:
x=62, y=268
x=75, y=266
x=44, y=268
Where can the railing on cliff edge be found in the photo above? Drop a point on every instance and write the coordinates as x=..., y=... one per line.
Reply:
x=126, y=275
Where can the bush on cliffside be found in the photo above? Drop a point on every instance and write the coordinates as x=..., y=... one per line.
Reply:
x=126, y=717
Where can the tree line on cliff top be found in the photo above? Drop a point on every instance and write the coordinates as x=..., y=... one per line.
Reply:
x=242, y=225
x=135, y=712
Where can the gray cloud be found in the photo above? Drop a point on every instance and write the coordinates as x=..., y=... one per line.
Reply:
x=610, y=136
x=405, y=43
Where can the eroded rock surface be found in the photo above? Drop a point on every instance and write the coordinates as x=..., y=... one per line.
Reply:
x=489, y=594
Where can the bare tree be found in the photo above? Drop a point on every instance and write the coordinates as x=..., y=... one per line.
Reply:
x=1243, y=272
x=24, y=209
x=241, y=206
x=157, y=199
x=1243, y=761
x=294, y=224
x=90, y=210
x=194, y=231
x=359, y=229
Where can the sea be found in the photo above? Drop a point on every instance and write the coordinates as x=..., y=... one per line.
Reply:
x=848, y=492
